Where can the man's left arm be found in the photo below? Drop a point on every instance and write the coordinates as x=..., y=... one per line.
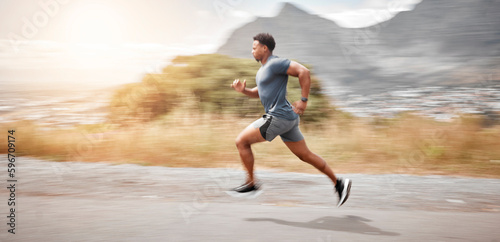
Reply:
x=297, y=70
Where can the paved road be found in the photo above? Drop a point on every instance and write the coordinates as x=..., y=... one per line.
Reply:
x=76, y=201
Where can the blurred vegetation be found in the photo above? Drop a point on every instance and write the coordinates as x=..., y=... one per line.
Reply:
x=141, y=102
x=188, y=116
x=201, y=83
x=407, y=144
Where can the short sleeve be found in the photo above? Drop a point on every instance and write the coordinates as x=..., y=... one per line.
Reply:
x=280, y=65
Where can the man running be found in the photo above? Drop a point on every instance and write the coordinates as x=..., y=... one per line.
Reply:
x=281, y=117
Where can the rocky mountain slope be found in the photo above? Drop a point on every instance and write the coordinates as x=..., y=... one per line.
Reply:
x=439, y=43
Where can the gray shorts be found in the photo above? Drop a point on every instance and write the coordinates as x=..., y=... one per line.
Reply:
x=270, y=127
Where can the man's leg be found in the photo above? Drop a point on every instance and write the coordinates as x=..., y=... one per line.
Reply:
x=303, y=153
x=245, y=139
x=342, y=186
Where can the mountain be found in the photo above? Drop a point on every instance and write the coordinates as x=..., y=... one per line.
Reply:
x=460, y=27
x=291, y=29
x=438, y=43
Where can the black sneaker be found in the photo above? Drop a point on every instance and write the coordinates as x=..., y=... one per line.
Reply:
x=246, y=190
x=343, y=188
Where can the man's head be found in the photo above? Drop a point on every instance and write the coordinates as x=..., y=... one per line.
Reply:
x=263, y=45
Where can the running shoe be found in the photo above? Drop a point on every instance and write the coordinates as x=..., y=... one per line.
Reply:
x=247, y=190
x=343, y=188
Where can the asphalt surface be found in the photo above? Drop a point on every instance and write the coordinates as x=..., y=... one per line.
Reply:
x=77, y=201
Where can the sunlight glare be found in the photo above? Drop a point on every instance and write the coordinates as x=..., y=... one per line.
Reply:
x=95, y=24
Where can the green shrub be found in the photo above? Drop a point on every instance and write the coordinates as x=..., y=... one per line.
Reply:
x=202, y=83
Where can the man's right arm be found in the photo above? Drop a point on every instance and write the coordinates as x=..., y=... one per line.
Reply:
x=241, y=87
x=254, y=92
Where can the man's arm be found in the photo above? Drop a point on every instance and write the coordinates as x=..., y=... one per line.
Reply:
x=297, y=70
x=241, y=87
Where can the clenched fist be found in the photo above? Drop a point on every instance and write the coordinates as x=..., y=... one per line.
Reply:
x=239, y=86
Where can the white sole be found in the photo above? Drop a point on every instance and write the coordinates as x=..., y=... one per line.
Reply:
x=345, y=192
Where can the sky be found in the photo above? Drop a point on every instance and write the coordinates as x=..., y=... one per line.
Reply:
x=120, y=41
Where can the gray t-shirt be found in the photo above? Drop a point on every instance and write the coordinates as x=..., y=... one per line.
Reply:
x=271, y=81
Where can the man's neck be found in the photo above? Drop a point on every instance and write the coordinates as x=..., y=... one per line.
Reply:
x=266, y=58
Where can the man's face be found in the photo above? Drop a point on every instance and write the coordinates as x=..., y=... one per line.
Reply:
x=258, y=50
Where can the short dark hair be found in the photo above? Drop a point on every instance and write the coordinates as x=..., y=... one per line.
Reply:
x=266, y=39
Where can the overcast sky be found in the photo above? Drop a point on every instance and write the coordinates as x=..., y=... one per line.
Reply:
x=139, y=35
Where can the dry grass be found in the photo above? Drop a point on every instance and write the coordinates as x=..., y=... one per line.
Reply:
x=407, y=144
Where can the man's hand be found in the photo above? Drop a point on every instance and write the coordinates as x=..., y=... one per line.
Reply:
x=239, y=86
x=299, y=107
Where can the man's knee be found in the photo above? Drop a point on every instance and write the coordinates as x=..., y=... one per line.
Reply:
x=241, y=142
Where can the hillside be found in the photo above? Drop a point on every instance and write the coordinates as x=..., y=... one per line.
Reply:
x=437, y=43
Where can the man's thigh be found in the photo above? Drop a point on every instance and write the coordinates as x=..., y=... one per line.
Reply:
x=299, y=148
x=250, y=135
